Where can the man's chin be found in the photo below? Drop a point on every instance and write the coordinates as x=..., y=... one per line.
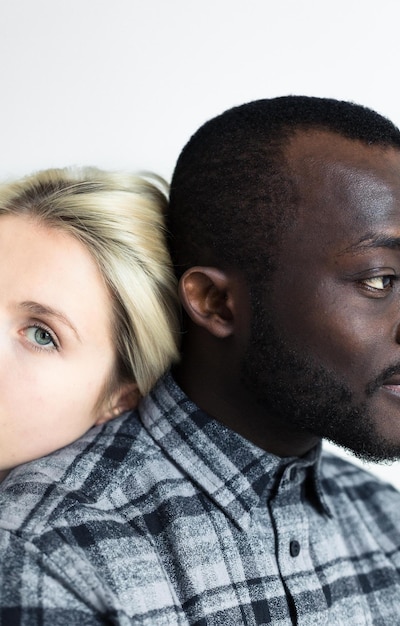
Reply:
x=377, y=450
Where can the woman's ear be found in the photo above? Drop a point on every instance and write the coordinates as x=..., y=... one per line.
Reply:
x=125, y=398
x=207, y=298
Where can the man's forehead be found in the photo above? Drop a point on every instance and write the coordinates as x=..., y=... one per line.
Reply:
x=313, y=148
x=345, y=189
x=327, y=166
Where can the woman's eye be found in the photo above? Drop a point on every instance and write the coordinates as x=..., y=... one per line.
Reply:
x=41, y=337
x=379, y=282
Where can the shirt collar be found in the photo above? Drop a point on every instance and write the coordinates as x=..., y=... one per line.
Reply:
x=233, y=472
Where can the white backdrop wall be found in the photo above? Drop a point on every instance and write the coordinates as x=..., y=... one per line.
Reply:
x=122, y=84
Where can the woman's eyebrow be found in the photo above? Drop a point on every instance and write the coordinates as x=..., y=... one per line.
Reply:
x=35, y=308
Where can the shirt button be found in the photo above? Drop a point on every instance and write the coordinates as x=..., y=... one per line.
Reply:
x=294, y=548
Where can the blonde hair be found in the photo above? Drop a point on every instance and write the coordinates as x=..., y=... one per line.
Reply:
x=120, y=220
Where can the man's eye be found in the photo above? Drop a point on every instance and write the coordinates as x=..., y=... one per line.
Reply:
x=40, y=337
x=379, y=282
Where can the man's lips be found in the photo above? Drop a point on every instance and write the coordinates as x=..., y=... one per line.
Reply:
x=392, y=384
x=389, y=380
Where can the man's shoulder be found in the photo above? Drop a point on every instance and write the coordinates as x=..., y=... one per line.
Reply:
x=347, y=474
x=358, y=497
x=89, y=480
x=80, y=519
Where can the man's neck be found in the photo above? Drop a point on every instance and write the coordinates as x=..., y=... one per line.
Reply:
x=225, y=400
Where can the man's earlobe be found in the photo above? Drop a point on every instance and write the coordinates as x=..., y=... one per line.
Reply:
x=124, y=399
x=207, y=299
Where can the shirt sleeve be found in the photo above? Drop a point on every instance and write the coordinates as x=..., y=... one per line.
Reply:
x=38, y=590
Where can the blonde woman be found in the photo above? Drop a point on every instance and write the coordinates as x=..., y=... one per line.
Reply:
x=88, y=312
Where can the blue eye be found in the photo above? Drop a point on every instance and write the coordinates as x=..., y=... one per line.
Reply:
x=41, y=337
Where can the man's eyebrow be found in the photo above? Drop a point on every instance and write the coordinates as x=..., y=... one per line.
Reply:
x=35, y=308
x=374, y=241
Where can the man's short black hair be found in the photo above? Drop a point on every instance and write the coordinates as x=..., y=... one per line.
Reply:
x=231, y=194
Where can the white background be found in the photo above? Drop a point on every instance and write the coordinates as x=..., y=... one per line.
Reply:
x=122, y=84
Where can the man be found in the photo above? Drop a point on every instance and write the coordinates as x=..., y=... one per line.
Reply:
x=293, y=206
x=216, y=505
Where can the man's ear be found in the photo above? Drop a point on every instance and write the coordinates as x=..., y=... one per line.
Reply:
x=207, y=298
x=125, y=398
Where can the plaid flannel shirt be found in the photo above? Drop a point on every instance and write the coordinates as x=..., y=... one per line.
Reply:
x=166, y=517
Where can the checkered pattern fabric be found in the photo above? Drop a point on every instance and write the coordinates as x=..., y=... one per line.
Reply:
x=166, y=517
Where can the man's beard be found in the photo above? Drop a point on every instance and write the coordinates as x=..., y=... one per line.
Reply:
x=309, y=396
